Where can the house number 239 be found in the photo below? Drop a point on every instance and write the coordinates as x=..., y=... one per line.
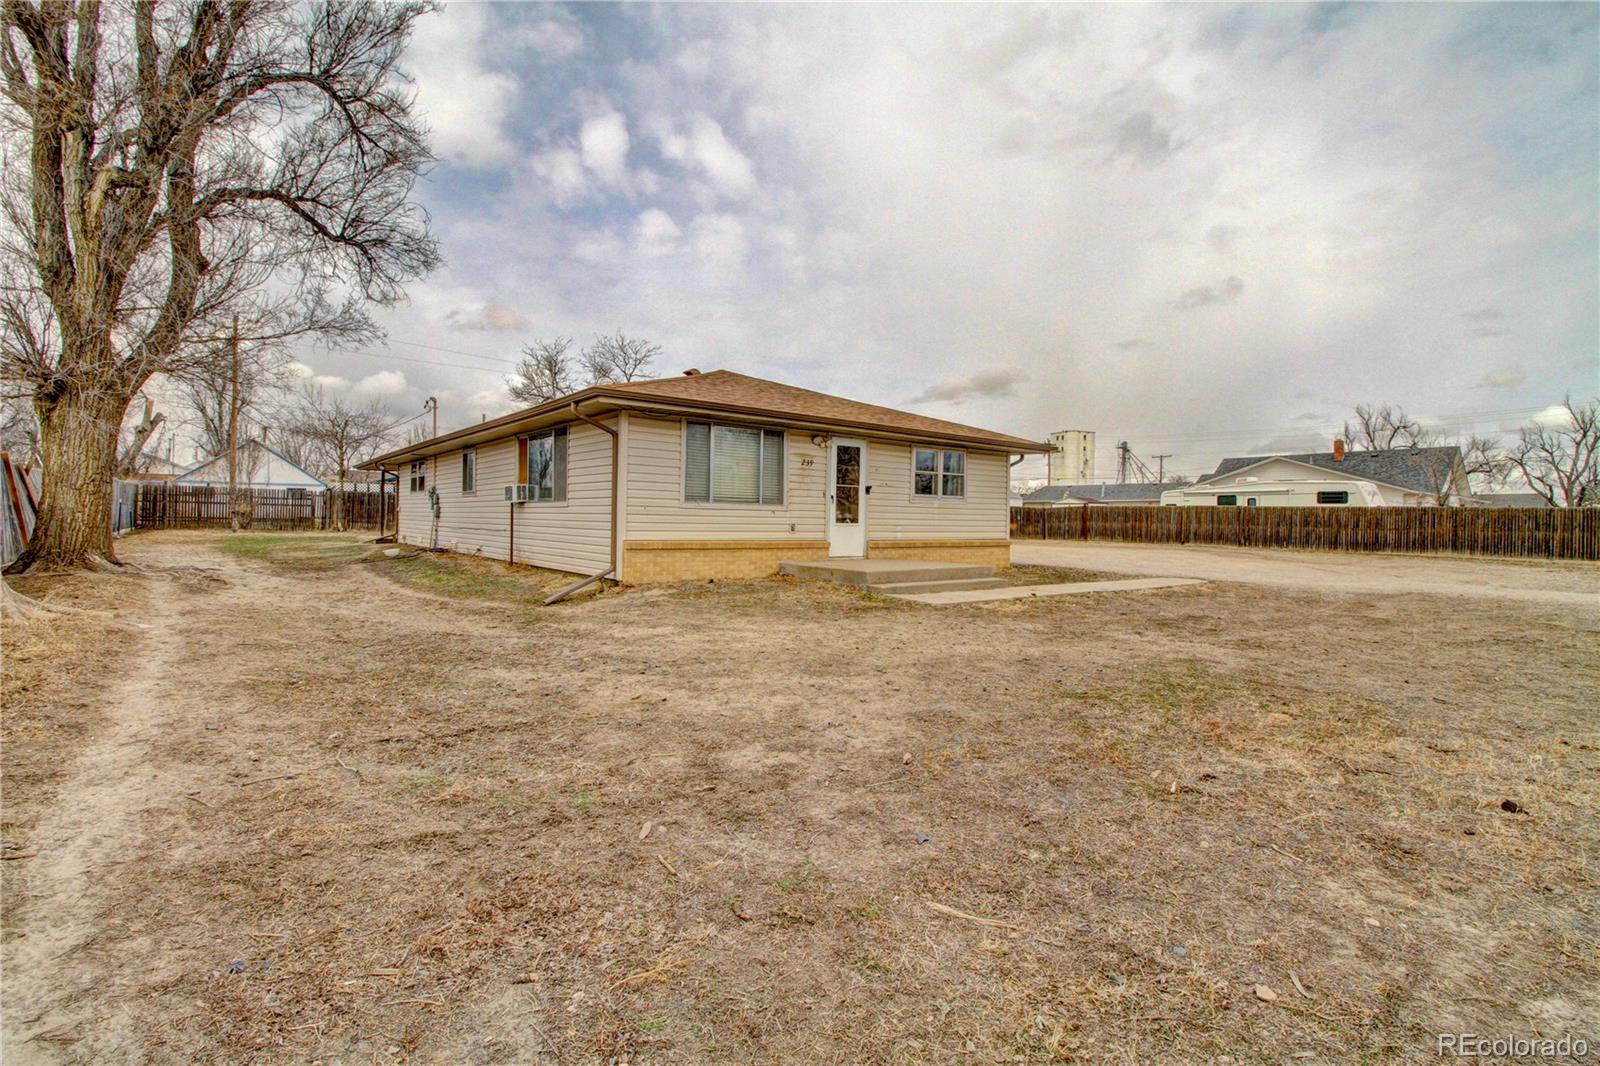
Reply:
x=806, y=460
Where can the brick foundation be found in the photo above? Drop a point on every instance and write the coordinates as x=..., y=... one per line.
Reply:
x=648, y=562
x=995, y=553
x=658, y=561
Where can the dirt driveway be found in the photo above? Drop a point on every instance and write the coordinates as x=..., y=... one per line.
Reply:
x=286, y=799
x=1556, y=583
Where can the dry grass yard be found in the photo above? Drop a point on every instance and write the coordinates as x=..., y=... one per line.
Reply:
x=283, y=798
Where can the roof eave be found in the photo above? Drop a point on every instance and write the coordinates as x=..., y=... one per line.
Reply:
x=533, y=417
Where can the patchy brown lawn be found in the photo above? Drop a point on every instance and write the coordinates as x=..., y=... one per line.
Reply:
x=340, y=806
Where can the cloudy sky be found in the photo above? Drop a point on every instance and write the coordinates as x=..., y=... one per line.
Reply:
x=1206, y=230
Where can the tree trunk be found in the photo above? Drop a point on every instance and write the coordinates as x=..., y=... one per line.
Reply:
x=78, y=446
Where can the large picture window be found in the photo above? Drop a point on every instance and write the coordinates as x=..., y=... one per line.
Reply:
x=936, y=472
x=544, y=465
x=732, y=464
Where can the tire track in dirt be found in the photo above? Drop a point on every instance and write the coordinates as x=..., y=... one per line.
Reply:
x=92, y=828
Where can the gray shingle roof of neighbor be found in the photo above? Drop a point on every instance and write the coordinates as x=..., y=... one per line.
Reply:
x=1406, y=468
x=1099, y=493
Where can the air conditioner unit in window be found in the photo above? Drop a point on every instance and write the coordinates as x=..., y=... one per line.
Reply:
x=521, y=493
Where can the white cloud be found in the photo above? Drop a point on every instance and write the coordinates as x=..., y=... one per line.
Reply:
x=554, y=38
x=603, y=141
x=298, y=369
x=1505, y=378
x=655, y=233
x=562, y=169
x=701, y=145
x=489, y=317
x=381, y=385
x=464, y=103
x=989, y=383
x=720, y=242
x=330, y=381
x=1348, y=205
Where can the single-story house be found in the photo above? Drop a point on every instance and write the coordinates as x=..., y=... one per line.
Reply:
x=1512, y=499
x=1130, y=494
x=1403, y=477
x=708, y=475
x=152, y=467
x=258, y=467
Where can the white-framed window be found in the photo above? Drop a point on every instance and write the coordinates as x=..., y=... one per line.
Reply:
x=419, y=475
x=732, y=464
x=469, y=470
x=544, y=464
x=938, y=472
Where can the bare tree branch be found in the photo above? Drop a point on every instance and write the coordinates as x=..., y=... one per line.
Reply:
x=170, y=167
x=1561, y=460
x=544, y=373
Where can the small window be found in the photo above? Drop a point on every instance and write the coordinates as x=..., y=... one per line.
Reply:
x=544, y=465
x=419, y=476
x=469, y=471
x=938, y=473
x=1227, y=501
x=1251, y=502
x=732, y=464
x=1333, y=497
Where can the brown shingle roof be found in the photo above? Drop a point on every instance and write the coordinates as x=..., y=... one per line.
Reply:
x=726, y=390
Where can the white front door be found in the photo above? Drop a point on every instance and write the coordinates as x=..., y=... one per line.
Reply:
x=847, y=500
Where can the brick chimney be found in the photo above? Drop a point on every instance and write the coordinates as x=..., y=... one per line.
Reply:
x=1338, y=450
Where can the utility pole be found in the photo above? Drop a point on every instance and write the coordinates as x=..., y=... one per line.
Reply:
x=1161, y=467
x=233, y=428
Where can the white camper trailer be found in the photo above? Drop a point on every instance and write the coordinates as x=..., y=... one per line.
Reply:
x=1249, y=492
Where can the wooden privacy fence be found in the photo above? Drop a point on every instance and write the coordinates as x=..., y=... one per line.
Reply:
x=163, y=505
x=1548, y=533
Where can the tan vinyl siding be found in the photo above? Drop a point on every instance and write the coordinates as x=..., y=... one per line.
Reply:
x=656, y=509
x=572, y=535
x=895, y=514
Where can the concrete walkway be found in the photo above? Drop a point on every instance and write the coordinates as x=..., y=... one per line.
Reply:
x=1025, y=592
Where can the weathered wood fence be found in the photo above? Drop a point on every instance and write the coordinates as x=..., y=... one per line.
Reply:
x=163, y=505
x=1553, y=533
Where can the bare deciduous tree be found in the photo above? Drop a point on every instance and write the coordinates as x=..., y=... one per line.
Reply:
x=1378, y=429
x=544, y=373
x=618, y=357
x=169, y=168
x=546, y=370
x=1561, y=460
x=133, y=450
x=338, y=437
x=19, y=431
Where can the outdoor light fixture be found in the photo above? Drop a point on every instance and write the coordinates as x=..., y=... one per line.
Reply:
x=820, y=439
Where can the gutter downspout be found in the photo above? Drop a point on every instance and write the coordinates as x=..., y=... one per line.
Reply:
x=616, y=459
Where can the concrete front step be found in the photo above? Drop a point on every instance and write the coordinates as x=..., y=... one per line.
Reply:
x=882, y=571
x=960, y=584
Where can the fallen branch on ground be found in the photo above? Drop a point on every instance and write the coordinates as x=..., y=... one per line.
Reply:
x=951, y=912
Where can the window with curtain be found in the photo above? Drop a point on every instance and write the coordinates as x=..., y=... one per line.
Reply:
x=936, y=472
x=732, y=464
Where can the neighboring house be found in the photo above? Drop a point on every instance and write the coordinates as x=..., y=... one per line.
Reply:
x=152, y=467
x=257, y=467
x=1123, y=495
x=1512, y=499
x=1403, y=477
x=713, y=475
